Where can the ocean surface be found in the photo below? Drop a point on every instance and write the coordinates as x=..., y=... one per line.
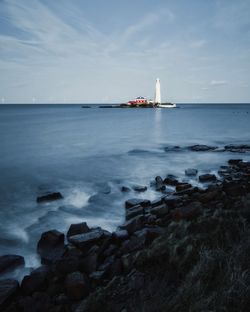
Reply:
x=89, y=154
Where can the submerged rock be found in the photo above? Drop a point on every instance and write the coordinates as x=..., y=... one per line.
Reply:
x=159, y=184
x=139, y=188
x=49, y=197
x=201, y=148
x=125, y=189
x=10, y=262
x=191, y=172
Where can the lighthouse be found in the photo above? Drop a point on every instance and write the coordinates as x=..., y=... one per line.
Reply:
x=157, y=92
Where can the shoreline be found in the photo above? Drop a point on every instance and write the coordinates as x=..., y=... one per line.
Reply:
x=169, y=232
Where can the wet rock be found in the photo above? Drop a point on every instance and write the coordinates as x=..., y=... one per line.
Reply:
x=238, y=148
x=207, y=177
x=125, y=189
x=86, y=239
x=159, y=184
x=134, y=211
x=10, y=262
x=49, y=197
x=134, y=224
x=172, y=148
x=191, y=172
x=79, y=228
x=136, y=201
x=182, y=187
x=77, y=286
x=201, y=148
x=8, y=289
x=171, y=180
x=139, y=188
x=172, y=201
x=36, y=281
x=51, y=246
x=160, y=211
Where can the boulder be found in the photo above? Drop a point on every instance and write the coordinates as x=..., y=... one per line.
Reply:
x=67, y=265
x=125, y=189
x=149, y=234
x=191, y=172
x=207, y=177
x=139, y=188
x=159, y=184
x=172, y=201
x=208, y=196
x=10, y=262
x=182, y=187
x=51, y=246
x=189, y=212
x=77, y=286
x=134, y=211
x=78, y=228
x=160, y=211
x=133, y=244
x=8, y=289
x=120, y=235
x=234, y=161
x=86, y=239
x=201, y=148
x=36, y=281
x=49, y=197
x=133, y=225
x=88, y=264
x=127, y=262
x=136, y=201
x=171, y=180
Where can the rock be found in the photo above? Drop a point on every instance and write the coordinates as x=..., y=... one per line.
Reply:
x=160, y=211
x=208, y=196
x=189, y=212
x=149, y=234
x=159, y=184
x=133, y=244
x=127, y=261
x=134, y=224
x=78, y=228
x=139, y=188
x=8, y=289
x=97, y=277
x=88, y=264
x=136, y=201
x=67, y=265
x=207, y=177
x=120, y=235
x=51, y=246
x=125, y=189
x=171, y=180
x=182, y=187
x=191, y=172
x=234, y=189
x=172, y=201
x=201, y=148
x=10, y=262
x=234, y=161
x=77, y=286
x=86, y=239
x=49, y=197
x=237, y=147
x=134, y=211
x=36, y=281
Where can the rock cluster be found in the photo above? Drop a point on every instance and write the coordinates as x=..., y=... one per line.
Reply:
x=143, y=264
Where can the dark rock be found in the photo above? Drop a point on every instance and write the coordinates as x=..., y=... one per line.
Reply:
x=10, y=262
x=156, y=202
x=201, y=148
x=125, y=189
x=49, y=197
x=171, y=180
x=139, y=188
x=189, y=212
x=160, y=211
x=120, y=235
x=134, y=224
x=51, y=246
x=234, y=189
x=134, y=211
x=67, y=265
x=77, y=286
x=88, y=264
x=207, y=177
x=127, y=262
x=234, y=161
x=208, y=196
x=8, y=289
x=86, y=239
x=136, y=201
x=183, y=186
x=36, y=281
x=191, y=172
x=133, y=244
x=79, y=228
x=159, y=184
x=97, y=277
x=172, y=201
x=149, y=234
x=237, y=147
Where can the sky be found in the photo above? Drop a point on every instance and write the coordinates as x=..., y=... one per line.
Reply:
x=110, y=51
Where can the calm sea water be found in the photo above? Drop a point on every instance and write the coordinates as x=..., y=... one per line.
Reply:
x=88, y=154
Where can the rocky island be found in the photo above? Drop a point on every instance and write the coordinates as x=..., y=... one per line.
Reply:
x=185, y=251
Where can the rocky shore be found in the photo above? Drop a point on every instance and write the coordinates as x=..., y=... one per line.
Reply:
x=186, y=251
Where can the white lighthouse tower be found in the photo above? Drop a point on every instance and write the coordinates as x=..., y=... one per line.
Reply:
x=157, y=92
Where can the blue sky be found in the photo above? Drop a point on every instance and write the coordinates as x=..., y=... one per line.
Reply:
x=97, y=51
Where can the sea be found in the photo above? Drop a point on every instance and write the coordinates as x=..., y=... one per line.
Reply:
x=88, y=154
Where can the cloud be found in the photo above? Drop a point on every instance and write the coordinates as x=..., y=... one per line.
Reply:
x=198, y=43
